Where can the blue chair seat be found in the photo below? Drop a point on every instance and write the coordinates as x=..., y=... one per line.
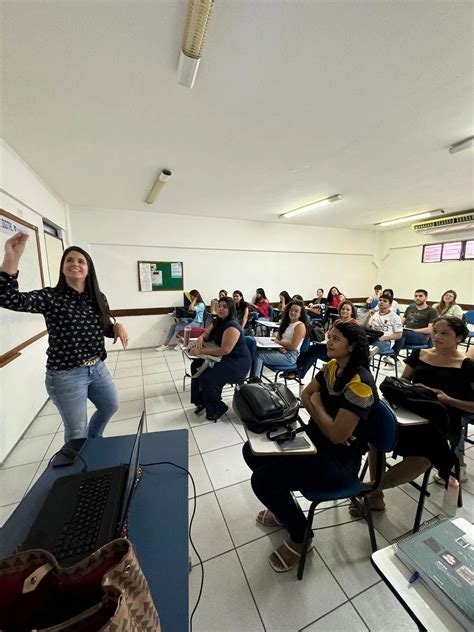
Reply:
x=348, y=492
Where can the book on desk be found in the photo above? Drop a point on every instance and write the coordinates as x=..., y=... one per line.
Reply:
x=442, y=557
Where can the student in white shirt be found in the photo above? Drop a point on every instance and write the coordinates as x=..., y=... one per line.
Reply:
x=387, y=321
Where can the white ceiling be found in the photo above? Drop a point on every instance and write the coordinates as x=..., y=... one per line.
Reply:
x=294, y=101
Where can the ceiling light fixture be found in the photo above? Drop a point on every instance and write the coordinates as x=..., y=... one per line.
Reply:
x=163, y=178
x=195, y=30
x=411, y=218
x=462, y=145
x=310, y=207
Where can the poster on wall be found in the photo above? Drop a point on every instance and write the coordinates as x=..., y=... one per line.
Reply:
x=154, y=276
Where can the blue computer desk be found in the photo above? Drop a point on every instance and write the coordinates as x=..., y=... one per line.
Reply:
x=158, y=517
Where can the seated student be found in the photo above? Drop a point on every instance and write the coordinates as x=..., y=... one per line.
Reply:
x=241, y=308
x=448, y=306
x=316, y=309
x=261, y=304
x=384, y=320
x=417, y=321
x=297, y=298
x=198, y=308
x=215, y=301
x=285, y=298
x=340, y=401
x=372, y=300
x=332, y=300
x=450, y=374
x=347, y=314
x=394, y=307
x=225, y=331
x=290, y=336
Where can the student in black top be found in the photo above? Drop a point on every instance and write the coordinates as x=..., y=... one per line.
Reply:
x=285, y=298
x=241, y=308
x=316, y=307
x=450, y=374
x=225, y=331
x=77, y=319
x=341, y=403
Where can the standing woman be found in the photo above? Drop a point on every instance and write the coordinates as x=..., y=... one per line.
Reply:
x=261, y=305
x=77, y=318
x=290, y=336
x=226, y=333
x=448, y=306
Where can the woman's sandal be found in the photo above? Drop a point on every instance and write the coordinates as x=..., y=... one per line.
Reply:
x=277, y=561
x=376, y=503
x=266, y=518
x=198, y=410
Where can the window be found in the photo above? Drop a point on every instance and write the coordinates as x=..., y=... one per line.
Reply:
x=432, y=253
x=452, y=251
x=469, y=249
x=448, y=251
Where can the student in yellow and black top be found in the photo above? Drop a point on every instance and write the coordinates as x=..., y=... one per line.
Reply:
x=341, y=402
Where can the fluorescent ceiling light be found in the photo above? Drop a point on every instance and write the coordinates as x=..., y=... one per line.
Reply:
x=195, y=30
x=310, y=207
x=463, y=144
x=162, y=179
x=410, y=218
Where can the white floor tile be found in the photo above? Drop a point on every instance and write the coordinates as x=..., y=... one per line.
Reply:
x=399, y=516
x=56, y=444
x=283, y=602
x=154, y=360
x=157, y=378
x=48, y=409
x=122, y=427
x=199, y=474
x=41, y=468
x=208, y=516
x=128, y=382
x=343, y=618
x=130, y=394
x=130, y=354
x=434, y=504
x=240, y=507
x=129, y=409
x=177, y=374
x=380, y=610
x=14, y=482
x=169, y=420
x=6, y=512
x=239, y=426
x=226, y=466
x=162, y=388
x=226, y=604
x=346, y=551
x=216, y=435
x=128, y=371
x=162, y=403
x=128, y=364
x=30, y=450
x=48, y=424
x=192, y=445
x=196, y=420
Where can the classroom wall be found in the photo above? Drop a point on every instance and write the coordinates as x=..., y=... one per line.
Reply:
x=25, y=195
x=400, y=267
x=217, y=253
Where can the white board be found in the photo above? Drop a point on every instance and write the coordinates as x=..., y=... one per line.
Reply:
x=17, y=327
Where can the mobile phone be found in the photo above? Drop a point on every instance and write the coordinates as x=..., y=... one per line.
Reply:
x=298, y=443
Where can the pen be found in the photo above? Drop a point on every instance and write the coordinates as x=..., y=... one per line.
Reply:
x=414, y=577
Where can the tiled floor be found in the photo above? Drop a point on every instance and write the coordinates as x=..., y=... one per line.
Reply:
x=241, y=592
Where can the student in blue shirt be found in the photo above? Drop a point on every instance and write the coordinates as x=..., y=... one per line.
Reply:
x=198, y=308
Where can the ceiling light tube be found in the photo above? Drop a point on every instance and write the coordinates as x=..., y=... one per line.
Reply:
x=462, y=145
x=194, y=37
x=410, y=218
x=163, y=178
x=310, y=207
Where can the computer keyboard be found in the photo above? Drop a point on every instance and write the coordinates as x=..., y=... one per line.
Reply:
x=79, y=535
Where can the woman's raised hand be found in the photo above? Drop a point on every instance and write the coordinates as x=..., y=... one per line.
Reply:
x=15, y=246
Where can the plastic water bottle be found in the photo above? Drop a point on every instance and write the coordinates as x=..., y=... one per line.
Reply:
x=450, y=498
x=187, y=335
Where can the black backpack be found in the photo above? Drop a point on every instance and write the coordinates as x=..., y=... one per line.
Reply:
x=264, y=407
x=417, y=399
x=316, y=332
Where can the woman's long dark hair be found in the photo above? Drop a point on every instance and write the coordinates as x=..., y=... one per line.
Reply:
x=359, y=357
x=285, y=320
x=196, y=294
x=329, y=296
x=286, y=296
x=218, y=323
x=260, y=291
x=352, y=306
x=456, y=324
x=92, y=285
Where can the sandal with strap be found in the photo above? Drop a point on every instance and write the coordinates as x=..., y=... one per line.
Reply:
x=376, y=503
x=268, y=519
x=285, y=566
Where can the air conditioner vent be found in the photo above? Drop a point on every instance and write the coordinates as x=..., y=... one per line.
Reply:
x=465, y=221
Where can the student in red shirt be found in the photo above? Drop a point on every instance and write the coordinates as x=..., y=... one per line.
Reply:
x=261, y=303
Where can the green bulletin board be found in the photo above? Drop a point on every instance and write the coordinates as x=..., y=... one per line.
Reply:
x=154, y=276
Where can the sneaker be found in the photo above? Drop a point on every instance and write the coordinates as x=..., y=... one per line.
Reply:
x=162, y=348
x=463, y=476
x=373, y=351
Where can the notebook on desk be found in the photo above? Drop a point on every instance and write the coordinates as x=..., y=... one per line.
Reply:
x=84, y=511
x=263, y=341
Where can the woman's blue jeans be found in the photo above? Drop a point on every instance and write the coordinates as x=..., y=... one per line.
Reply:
x=69, y=392
x=181, y=324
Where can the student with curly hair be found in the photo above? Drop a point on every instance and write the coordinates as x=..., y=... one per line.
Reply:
x=340, y=401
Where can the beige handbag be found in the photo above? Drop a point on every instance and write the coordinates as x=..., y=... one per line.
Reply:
x=106, y=592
